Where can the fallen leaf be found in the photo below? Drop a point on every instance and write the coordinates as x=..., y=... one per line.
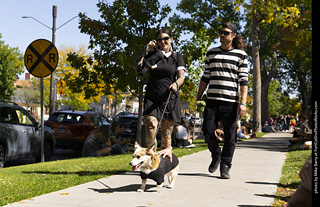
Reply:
x=64, y=193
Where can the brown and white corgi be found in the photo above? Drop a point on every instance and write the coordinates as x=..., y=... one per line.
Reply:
x=154, y=167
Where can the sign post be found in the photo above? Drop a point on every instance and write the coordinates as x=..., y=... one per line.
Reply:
x=41, y=59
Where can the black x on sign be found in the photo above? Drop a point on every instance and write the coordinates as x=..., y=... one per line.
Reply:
x=41, y=58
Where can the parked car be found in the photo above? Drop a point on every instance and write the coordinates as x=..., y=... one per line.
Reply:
x=20, y=135
x=130, y=122
x=198, y=121
x=71, y=128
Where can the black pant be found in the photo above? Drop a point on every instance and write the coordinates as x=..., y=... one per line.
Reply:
x=225, y=112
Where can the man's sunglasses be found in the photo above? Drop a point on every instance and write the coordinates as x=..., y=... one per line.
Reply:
x=161, y=39
x=225, y=33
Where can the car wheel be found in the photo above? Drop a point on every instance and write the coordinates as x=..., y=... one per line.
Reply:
x=48, y=152
x=2, y=156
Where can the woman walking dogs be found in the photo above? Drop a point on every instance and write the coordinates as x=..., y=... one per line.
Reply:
x=225, y=68
x=167, y=74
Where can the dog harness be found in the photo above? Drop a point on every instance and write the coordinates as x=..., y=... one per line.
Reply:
x=165, y=166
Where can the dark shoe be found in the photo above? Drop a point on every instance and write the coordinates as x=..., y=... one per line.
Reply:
x=224, y=171
x=214, y=164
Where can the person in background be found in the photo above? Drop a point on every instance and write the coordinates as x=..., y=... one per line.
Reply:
x=120, y=146
x=181, y=135
x=97, y=143
x=122, y=141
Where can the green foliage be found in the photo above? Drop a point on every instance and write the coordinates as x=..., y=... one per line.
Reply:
x=194, y=52
x=274, y=96
x=208, y=14
x=11, y=64
x=124, y=27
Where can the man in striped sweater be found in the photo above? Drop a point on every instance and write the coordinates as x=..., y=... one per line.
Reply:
x=225, y=69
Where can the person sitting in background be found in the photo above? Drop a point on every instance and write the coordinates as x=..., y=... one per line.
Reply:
x=181, y=135
x=267, y=128
x=241, y=133
x=121, y=144
x=97, y=143
x=303, y=133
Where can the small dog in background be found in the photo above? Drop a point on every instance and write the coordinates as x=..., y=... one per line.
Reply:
x=219, y=134
x=150, y=61
x=154, y=167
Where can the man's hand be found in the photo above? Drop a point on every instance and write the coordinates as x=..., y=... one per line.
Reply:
x=241, y=109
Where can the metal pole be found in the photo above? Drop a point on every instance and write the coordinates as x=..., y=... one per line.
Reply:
x=52, y=85
x=42, y=123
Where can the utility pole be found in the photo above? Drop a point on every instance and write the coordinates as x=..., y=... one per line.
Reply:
x=53, y=92
x=52, y=85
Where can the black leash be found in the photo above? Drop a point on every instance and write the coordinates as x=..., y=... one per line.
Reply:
x=164, y=110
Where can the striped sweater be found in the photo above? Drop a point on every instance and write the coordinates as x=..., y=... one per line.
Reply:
x=224, y=70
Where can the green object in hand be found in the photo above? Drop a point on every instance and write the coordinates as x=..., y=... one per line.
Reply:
x=200, y=106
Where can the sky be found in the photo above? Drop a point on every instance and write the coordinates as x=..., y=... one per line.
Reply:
x=20, y=32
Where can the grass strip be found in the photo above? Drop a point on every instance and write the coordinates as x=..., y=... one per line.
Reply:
x=27, y=181
x=290, y=180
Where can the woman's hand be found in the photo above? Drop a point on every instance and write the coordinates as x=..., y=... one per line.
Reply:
x=151, y=45
x=166, y=152
x=174, y=86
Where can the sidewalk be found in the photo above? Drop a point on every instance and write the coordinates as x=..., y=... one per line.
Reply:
x=254, y=174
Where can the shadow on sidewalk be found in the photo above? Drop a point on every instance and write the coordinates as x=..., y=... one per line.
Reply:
x=199, y=175
x=275, y=144
x=127, y=188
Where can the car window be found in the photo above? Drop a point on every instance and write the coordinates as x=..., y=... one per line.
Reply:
x=66, y=118
x=7, y=117
x=23, y=117
x=95, y=119
x=104, y=120
x=127, y=120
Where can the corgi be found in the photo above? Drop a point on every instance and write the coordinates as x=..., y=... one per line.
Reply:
x=154, y=167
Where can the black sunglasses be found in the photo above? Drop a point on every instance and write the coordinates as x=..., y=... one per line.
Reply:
x=161, y=39
x=225, y=33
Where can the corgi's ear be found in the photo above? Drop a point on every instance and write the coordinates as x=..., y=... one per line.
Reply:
x=152, y=149
x=136, y=145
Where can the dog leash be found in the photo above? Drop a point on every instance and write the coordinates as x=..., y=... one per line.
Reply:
x=164, y=110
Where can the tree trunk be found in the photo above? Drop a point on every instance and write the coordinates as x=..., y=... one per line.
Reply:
x=306, y=103
x=266, y=80
x=256, y=75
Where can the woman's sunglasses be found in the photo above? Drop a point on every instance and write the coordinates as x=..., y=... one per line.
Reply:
x=161, y=39
x=225, y=33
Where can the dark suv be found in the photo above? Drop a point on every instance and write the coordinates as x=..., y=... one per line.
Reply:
x=71, y=128
x=20, y=135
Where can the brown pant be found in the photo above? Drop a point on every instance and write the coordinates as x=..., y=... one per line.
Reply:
x=151, y=123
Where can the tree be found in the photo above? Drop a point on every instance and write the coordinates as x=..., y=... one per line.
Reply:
x=124, y=28
x=256, y=72
x=275, y=21
x=74, y=98
x=11, y=64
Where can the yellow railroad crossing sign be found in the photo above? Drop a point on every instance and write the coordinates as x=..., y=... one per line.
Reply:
x=41, y=58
